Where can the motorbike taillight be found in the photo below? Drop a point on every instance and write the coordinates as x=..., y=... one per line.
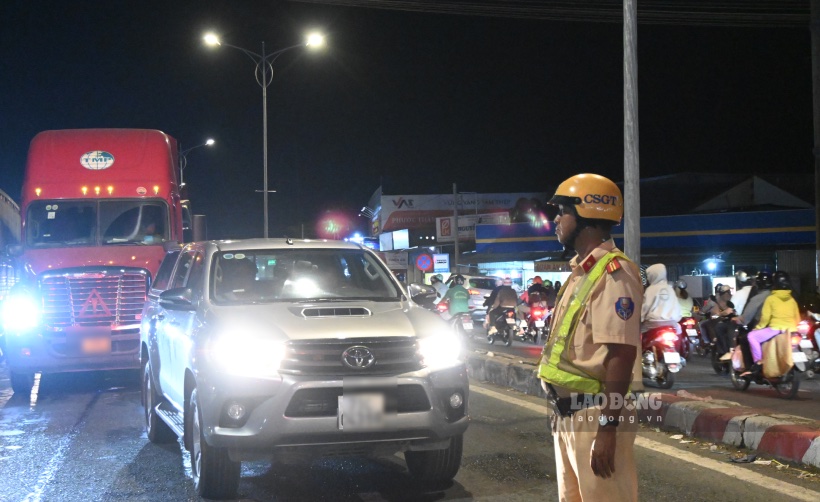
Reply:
x=796, y=340
x=669, y=336
x=689, y=323
x=803, y=328
x=441, y=307
x=537, y=313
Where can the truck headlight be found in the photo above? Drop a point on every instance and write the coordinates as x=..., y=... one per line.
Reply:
x=20, y=313
x=248, y=356
x=440, y=349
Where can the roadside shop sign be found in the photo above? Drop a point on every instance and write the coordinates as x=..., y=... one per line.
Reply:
x=441, y=262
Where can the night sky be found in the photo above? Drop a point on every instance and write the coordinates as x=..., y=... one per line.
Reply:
x=412, y=101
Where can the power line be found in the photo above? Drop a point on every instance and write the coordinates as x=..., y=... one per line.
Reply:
x=742, y=13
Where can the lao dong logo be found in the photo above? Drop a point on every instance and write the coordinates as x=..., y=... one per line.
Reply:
x=97, y=160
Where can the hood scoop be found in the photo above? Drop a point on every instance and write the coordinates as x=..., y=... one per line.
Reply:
x=336, y=312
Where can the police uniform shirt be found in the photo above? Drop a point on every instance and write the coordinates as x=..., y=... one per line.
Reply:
x=613, y=313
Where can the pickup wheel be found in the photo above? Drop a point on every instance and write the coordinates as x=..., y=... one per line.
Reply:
x=216, y=476
x=21, y=383
x=158, y=431
x=436, y=466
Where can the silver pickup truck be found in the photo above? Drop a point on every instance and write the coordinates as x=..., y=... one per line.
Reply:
x=292, y=350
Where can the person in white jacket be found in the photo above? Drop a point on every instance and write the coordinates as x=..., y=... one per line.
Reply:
x=660, y=304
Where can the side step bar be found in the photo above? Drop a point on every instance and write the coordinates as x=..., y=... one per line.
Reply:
x=172, y=417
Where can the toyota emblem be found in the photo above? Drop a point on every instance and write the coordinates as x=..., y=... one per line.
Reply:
x=358, y=357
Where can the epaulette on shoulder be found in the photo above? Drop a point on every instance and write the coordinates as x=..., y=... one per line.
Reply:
x=613, y=266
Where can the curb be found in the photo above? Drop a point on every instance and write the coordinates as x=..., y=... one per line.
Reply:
x=785, y=437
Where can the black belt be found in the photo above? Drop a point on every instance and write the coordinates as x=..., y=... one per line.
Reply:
x=567, y=406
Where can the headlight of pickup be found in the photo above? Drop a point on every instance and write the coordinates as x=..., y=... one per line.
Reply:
x=440, y=350
x=247, y=355
x=20, y=312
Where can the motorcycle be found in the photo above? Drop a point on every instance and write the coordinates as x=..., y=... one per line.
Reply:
x=660, y=359
x=692, y=341
x=809, y=330
x=506, y=327
x=536, y=323
x=462, y=322
x=710, y=347
x=785, y=385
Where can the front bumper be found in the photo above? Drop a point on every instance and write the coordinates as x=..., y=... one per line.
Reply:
x=90, y=349
x=297, y=416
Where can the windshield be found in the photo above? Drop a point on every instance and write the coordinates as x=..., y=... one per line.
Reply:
x=256, y=276
x=93, y=222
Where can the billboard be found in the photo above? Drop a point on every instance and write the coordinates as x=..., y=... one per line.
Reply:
x=445, y=226
x=420, y=211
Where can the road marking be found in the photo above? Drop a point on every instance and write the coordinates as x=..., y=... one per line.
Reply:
x=752, y=477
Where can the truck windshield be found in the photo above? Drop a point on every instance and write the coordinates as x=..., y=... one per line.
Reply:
x=258, y=276
x=63, y=223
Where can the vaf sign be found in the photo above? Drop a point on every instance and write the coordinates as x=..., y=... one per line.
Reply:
x=97, y=160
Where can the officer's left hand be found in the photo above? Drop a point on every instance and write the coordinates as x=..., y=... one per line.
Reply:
x=602, y=455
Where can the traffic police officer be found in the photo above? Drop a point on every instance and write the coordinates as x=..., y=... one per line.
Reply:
x=587, y=364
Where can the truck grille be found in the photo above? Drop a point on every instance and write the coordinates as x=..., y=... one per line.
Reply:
x=107, y=298
x=393, y=355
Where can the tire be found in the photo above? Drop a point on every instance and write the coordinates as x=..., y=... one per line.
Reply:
x=508, y=337
x=665, y=378
x=490, y=339
x=436, y=466
x=158, y=431
x=215, y=475
x=720, y=367
x=21, y=383
x=738, y=382
x=789, y=388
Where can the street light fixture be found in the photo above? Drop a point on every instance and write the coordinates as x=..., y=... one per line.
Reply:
x=183, y=159
x=264, y=77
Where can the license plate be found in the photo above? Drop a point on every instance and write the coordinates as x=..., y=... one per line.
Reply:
x=510, y=320
x=96, y=345
x=692, y=332
x=805, y=344
x=361, y=411
x=539, y=324
x=467, y=325
x=799, y=357
x=671, y=358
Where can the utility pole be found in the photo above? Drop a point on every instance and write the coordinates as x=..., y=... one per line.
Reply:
x=632, y=176
x=455, y=224
x=815, y=85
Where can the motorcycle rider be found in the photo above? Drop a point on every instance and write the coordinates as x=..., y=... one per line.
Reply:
x=457, y=298
x=439, y=286
x=660, y=305
x=684, y=300
x=751, y=312
x=780, y=314
x=718, y=306
x=744, y=284
x=506, y=297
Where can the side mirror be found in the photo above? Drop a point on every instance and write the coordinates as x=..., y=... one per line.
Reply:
x=177, y=299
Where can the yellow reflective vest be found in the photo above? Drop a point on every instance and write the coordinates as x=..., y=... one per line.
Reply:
x=556, y=367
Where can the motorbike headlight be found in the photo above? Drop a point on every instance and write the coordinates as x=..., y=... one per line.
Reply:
x=440, y=350
x=20, y=312
x=248, y=355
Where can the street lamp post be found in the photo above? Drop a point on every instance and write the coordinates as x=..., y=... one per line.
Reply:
x=183, y=159
x=264, y=77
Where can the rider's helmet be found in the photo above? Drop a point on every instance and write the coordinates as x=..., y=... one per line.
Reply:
x=723, y=288
x=717, y=288
x=742, y=279
x=548, y=283
x=764, y=280
x=507, y=281
x=680, y=284
x=781, y=280
x=593, y=197
x=434, y=279
x=537, y=280
x=459, y=279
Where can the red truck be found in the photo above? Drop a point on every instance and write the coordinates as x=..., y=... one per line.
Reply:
x=99, y=210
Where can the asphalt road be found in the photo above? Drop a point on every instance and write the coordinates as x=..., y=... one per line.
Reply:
x=81, y=437
x=697, y=378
